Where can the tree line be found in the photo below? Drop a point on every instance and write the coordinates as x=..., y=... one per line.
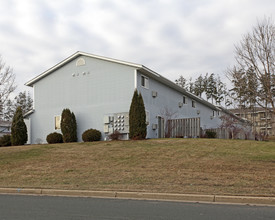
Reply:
x=252, y=77
x=9, y=106
x=206, y=86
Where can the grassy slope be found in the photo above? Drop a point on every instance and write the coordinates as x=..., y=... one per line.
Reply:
x=163, y=165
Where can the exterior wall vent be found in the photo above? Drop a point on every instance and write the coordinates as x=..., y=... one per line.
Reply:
x=80, y=62
x=154, y=94
x=154, y=126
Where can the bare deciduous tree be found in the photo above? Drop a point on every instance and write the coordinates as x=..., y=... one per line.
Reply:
x=7, y=85
x=231, y=124
x=256, y=53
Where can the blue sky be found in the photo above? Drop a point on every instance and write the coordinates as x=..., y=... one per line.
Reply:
x=171, y=37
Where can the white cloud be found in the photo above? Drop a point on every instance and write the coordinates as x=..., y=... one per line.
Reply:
x=170, y=37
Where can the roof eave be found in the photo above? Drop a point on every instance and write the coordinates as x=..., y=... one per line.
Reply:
x=176, y=87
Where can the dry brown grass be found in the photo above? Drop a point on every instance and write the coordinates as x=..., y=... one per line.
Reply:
x=208, y=166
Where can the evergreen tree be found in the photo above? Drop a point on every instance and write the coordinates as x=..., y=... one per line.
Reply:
x=19, y=134
x=181, y=81
x=190, y=85
x=23, y=100
x=9, y=111
x=252, y=87
x=68, y=126
x=211, y=89
x=199, y=87
x=142, y=116
x=238, y=92
x=220, y=91
x=137, y=118
x=74, y=128
x=133, y=116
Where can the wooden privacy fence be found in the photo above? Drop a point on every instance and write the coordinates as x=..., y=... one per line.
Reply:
x=190, y=128
x=185, y=127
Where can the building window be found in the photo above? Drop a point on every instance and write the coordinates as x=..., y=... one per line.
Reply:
x=145, y=82
x=213, y=113
x=147, y=117
x=184, y=100
x=57, y=122
x=193, y=104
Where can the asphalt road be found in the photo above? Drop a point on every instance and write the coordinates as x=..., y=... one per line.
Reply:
x=19, y=207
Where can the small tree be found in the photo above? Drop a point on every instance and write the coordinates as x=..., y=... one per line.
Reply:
x=181, y=81
x=68, y=126
x=142, y=116
x=231, y=124
x=19, y=134
x=137, y=118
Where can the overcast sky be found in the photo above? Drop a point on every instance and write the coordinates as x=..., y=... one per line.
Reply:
x=171, y=37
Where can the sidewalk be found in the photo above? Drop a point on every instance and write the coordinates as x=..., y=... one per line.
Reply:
x=144, y=196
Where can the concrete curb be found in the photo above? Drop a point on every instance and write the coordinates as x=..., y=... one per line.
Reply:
x=144, y=196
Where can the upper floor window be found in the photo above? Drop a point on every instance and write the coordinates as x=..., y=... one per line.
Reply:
x=193, y=104
x=147, y=117
x=145, y=82
x=184, y=100
x=57, y=122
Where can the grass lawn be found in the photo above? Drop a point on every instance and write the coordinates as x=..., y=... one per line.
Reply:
x=208, y=166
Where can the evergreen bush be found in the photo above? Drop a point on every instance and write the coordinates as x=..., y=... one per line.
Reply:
x=68, y=126
x=5, y=140
x=210, y=134
x=142, y=116
x=137, y=118
x=54, y=138
x=91, y=135
x=19, y=134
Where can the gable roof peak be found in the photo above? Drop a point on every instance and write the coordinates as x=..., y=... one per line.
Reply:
x=73, y=56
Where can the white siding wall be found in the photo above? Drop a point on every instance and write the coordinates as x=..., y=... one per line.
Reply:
x=107, y=88
x=169, y=98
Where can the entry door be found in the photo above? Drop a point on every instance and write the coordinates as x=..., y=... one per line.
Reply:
x=160, y=127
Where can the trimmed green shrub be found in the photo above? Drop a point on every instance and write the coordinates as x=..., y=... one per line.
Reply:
x=68, y=126
x=91, y=135
x=210, y=134
x=54, y=138
x=19, y=134
x=5, y=140
x=137, y=118
x=142, y=116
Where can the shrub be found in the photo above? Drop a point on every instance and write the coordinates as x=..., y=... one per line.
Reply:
x=137, y=118
x=68, y=126
x=19, y=134
x=5, y=140
x=91, y=135
x=210, y=134
x=54, y=138
x=115, y=136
